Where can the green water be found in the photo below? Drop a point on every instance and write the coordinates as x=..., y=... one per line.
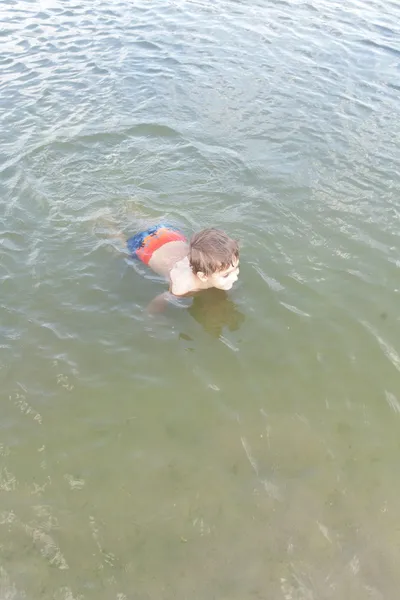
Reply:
x=236, y=448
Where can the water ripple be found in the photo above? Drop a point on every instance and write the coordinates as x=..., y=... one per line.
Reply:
x=269, y=410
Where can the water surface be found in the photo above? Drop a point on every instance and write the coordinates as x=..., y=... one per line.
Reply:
x=241, y=447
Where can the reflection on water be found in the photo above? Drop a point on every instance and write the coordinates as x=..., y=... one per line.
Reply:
x=214, y=310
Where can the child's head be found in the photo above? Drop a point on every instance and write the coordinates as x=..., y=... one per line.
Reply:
x=214, y=258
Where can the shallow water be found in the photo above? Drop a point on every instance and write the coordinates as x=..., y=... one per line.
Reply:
x=240, y=447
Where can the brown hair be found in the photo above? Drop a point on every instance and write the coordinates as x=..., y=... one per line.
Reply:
x=211, y=250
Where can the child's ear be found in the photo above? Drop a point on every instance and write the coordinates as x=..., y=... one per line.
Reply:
x=202, y=276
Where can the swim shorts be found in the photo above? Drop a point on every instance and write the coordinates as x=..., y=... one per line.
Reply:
x=142, y=245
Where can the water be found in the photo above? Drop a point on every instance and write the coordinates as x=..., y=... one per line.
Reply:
x=241, y=447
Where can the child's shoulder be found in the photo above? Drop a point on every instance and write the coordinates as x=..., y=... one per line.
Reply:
x=181, y=278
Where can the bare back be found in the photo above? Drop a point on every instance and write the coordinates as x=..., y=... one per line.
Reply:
x=172, y=262
x=164, y=259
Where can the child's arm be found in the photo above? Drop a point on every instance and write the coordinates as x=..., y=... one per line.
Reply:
x=158, y=303
x=174, y=293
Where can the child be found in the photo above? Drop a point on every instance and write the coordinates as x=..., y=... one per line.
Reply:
x=209, y=259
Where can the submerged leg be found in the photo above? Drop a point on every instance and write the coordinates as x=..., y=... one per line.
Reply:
x=104, y=225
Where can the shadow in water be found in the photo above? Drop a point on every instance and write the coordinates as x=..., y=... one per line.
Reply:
x=214, y=311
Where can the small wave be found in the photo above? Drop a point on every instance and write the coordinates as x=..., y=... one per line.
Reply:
x=295, y=310
x=392, y=401
x=387, y=349
x=272, y=283
x=384, y=47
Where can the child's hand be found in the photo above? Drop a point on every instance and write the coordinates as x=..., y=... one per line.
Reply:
x=158, y=304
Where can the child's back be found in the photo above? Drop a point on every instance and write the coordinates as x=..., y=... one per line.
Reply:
x=160, y=247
